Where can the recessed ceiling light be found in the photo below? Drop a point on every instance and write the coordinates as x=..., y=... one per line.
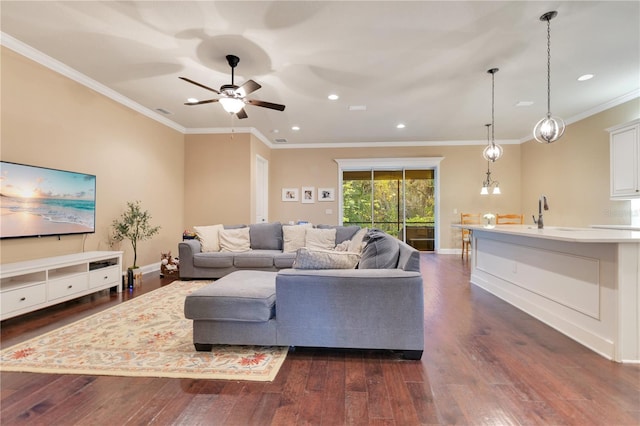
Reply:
x=524, y=103
x=585, y=77
x=192, y=100
x=295, y=128
x=400, y=126
x=357, y=107
x=275, y=131
x=333, y=97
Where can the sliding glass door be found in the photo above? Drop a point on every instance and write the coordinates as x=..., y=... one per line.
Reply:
x=400, y=202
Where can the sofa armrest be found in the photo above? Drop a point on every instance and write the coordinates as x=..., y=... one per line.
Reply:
x=357, y=308
x=186, y=250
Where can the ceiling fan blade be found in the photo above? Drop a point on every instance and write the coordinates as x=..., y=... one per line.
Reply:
x=265, y=104
x=198, y=84
x=208, y=101
x=241, y=114
x=249, y=86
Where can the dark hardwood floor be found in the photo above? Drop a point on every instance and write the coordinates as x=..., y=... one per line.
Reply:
x=485, y=362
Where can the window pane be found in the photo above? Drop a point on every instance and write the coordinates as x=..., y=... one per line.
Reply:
x=419, y=200
x=356, y=196
x=387, y=198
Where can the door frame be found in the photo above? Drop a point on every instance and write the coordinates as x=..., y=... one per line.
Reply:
x=413, y=163
x=262, y=189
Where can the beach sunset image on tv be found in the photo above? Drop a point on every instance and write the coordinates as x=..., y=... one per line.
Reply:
x=37, y=201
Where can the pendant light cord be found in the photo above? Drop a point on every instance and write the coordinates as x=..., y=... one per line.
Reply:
x=493, y=91
x=549, y=67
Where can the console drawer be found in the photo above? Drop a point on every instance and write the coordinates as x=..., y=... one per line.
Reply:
x=21, y=298
x=67, y=286
x=103, y=276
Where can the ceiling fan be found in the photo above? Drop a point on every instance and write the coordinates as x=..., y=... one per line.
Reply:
x=233, y=97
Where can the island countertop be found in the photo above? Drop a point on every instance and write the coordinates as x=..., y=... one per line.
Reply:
x=561, y=233
x=584, y=282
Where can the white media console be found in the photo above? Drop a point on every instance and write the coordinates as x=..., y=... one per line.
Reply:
x=35, y=284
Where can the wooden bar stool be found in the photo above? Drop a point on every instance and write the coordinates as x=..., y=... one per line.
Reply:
x=509, y=219
x=468, y=219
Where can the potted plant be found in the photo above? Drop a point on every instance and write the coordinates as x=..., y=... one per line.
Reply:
x=133, y=225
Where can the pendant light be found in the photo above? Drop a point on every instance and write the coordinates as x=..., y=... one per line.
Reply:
x=488, y=183
x=549, y=129
x=493, y=151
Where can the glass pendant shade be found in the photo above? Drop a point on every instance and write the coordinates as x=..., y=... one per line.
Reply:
x=484, y=191
x=496, y=190
x=232, y=105
x=549, y=129
x=492, y=152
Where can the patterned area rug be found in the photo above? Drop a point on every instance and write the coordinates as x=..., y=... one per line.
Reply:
x=147, y=336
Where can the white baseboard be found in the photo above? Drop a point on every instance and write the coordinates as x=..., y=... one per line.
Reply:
x=450, y=251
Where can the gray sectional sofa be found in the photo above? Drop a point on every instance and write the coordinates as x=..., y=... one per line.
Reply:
x=266, y=252
x=292, y=300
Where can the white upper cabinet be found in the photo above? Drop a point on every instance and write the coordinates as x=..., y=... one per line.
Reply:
x=625, y=160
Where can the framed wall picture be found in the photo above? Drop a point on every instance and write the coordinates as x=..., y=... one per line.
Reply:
x=326, y=194
x=290, y=194
x=308, y=194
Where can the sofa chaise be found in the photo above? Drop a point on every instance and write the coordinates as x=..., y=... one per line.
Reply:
x=318, y=301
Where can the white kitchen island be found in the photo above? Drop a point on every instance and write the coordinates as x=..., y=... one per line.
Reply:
x=581, y=281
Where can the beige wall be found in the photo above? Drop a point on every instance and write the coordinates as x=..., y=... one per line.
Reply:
x=49, y=120
x=218, y=179
x=574, y=172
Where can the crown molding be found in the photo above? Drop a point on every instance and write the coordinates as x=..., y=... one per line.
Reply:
x=392, y=144
x=65, y=70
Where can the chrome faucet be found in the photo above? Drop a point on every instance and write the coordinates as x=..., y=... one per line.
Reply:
x=542, y=203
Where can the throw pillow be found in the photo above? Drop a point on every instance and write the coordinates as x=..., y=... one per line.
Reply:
x=235, y=240
x=323, y=239
x=293, y=236
x=208, y=236
x=266, y=236
x=356, y=244
x=380, y=252
x=324, y=259
x=343, y=232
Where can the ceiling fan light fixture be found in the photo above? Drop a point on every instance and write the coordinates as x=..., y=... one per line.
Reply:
x=233, y=97
x=232, y=105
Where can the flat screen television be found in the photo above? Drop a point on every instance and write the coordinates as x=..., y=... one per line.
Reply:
x=38, y=201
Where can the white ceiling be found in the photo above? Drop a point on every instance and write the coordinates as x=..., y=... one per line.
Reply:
x=421, y=63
